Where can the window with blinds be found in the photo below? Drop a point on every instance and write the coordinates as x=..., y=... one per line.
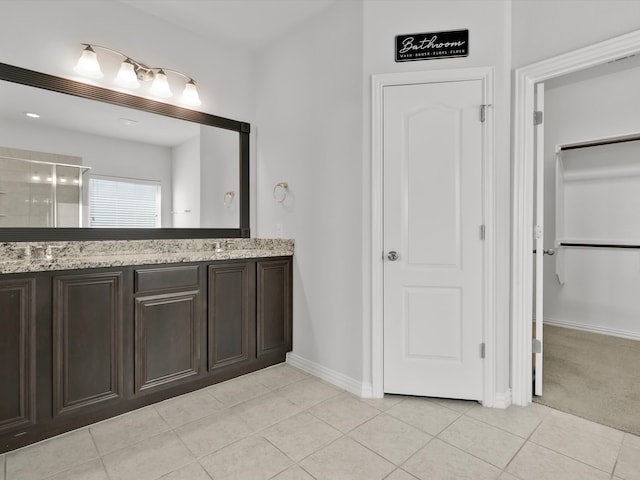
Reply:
x=122, y=202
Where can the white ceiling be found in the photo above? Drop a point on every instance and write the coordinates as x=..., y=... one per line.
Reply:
x=246, y=23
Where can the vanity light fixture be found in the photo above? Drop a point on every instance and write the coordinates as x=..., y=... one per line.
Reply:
x=132, y=73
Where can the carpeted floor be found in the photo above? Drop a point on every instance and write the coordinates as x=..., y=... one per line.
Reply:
x=594, y=376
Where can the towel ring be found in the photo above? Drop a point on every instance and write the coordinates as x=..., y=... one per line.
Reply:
x=280, y=192
x=228, y=199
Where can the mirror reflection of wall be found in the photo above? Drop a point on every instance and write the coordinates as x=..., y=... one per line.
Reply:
x=39, y=189
x=202, y=173
x=219, y=176
x=193, y=165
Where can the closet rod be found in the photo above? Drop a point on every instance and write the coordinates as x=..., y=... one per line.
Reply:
x=599, y=245
x=597, y=143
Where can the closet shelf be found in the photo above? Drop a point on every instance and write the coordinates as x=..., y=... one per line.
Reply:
x=599, y=245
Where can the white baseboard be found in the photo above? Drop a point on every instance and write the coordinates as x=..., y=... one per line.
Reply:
x=502, y=399
x=592, y=328
x=338, y=379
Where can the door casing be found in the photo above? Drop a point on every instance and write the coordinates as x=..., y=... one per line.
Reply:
x=378, y=82
x=523, y=194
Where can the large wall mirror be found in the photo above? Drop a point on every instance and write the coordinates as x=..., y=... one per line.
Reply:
x=80, y=162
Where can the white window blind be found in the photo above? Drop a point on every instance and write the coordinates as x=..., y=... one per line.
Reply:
x=122, y=202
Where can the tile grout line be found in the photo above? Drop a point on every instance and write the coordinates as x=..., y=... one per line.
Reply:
x=260, y=431
x=283, y=453
x=253, y=433
x=576, y=459
x=466, y=414
x=172, y=430
x=95, y=445
x=402, y=470
x=428, y=433
x=342, y=434
x=502, y=469
x=415, y=453
x=527, y=440
x=615, y=464
x=570, y=458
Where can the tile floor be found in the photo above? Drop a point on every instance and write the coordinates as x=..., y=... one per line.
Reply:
x=283, y=424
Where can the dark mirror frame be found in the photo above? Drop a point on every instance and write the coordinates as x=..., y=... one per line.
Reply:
x=35, y=79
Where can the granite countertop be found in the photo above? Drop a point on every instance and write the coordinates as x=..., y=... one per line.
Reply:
x=20, y=257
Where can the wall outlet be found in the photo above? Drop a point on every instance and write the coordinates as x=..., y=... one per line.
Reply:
x=278, y=230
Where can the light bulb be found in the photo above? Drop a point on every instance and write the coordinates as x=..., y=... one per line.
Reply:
x=190, y=95
x=127, y=75
x=88, y=65
x=160, y=86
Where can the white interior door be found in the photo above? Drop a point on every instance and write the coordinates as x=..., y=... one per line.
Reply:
x=539, y=238
x=433, y=239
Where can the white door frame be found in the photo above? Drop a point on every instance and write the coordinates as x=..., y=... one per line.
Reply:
x=378, y=82
x=523, y=198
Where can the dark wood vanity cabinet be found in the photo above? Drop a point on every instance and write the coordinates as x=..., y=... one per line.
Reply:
x=166, y=325
x=230, y=320
x=274, y=306
x=84, y=345
x=17, y=353
x=87, y=315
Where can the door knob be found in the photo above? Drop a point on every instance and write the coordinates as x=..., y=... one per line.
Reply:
x=392, y=255
x=547, y=251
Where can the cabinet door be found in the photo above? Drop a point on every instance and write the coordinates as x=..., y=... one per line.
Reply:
x=17, y=353
x=274, y=306
x=87, y=340
x=231, y=288
x=167, y=339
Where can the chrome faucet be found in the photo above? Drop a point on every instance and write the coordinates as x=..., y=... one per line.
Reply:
x=48, y=253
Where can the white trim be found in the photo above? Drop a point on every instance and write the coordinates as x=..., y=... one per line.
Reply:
x=615, y=332
x=378, y=82
x=502, y=400
x=522, y=202
x=338, y=379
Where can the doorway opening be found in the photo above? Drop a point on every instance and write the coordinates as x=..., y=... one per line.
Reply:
x=591, y=241
x=581, y=62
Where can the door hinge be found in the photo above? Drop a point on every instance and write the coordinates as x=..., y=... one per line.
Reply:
x=537, y=117
x=483, y=111
x=482, y=232
x=483, y=349
x=536, y=346
x=537, y=232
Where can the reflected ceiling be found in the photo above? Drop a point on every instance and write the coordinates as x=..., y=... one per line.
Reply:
x=87, y=116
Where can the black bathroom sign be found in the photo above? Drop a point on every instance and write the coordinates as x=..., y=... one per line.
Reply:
x=429, y=46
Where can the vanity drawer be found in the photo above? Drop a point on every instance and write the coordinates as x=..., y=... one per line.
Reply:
x=149, y=280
